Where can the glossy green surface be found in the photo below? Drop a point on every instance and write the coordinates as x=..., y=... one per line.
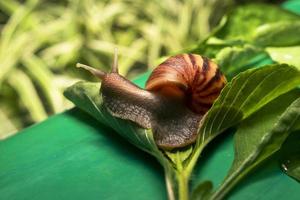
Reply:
x=292, y=5
x=72, y=156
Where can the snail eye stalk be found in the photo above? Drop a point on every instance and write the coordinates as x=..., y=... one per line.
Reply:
x=96, y=72
x=115, y=68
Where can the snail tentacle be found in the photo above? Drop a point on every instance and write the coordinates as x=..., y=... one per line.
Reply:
x=96, y=72
x=115, y=68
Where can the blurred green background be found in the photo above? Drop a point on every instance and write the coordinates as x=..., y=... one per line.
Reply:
x=41, y=41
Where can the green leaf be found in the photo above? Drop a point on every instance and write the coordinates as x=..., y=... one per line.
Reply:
x=288, y=55
x=284, y=33
x=247, y=93
x=290, y=155
x=40, y=74
x=233, y=60
x=255, y=141
x=211, y=45
x=86, y=96
x=244, y=95
x=208, y=50
x=7, y=125
x=202, y=191
x=266, y=25
x=28, y=95
x=255, y=15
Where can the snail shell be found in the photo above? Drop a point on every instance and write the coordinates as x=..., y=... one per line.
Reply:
x=192, y=77
x=178, y=93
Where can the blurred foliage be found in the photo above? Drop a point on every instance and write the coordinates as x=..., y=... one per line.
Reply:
x=41, y=41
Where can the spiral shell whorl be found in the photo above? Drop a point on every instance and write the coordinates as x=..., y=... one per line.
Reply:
x=195, y=78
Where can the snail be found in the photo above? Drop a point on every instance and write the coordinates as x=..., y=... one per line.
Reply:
x=178, y=94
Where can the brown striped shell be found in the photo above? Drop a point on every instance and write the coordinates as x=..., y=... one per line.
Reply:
x=193, y=77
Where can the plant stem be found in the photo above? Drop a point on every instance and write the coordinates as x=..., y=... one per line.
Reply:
x=191, y=165
x=182, y=180
x=183, y=188
x=171, y=195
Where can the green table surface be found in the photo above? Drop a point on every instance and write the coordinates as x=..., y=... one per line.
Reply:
x=72, y=156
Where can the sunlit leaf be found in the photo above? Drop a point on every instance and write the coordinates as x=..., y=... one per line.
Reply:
x=284, y=33
x=255, y=15
x=42, y=75
x=289, y=55
x=255, y=141
x=244, y=95
x=7, y=125
x=28, y=95
x=233, y=60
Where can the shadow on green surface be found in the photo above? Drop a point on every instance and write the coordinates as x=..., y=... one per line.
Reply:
x=120, y=144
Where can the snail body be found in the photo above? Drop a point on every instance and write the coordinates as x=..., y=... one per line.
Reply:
x=178, y=94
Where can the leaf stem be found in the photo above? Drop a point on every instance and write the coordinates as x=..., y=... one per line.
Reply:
x=182, y=179
x=190, y=166
x=170, y=190
x=183, y=188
